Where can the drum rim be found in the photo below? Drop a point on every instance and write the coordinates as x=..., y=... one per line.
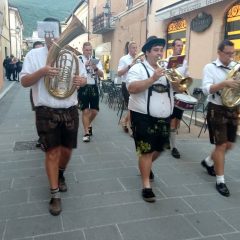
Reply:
x=186, y=101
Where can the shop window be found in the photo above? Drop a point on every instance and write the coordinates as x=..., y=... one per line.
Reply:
x=176, y=30
x=232, y=27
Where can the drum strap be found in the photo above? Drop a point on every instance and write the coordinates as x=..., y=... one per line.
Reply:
x=160, y=88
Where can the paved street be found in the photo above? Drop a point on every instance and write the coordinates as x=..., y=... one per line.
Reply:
x=103, y=201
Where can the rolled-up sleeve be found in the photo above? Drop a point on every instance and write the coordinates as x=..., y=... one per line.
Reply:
x=134, y=74
x=28, y=67
x=208, y=79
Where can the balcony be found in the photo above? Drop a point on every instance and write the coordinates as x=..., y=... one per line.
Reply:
x=103, y=23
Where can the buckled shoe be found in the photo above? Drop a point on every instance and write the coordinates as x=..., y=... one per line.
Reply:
x=222, y=189
x=210, y=170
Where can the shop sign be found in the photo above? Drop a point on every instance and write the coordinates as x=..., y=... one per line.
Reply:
x=201, y=22
x=182, y=8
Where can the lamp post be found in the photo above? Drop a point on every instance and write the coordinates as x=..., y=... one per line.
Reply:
x=17, y=39
x=106, y=9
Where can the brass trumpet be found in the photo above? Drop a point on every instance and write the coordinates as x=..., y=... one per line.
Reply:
x=173, y=75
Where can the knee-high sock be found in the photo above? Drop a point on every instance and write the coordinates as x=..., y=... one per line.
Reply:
x=173, y=133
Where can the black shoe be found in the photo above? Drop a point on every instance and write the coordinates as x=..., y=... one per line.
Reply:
x=55, y=206
x=148, y=195
x=90, y=131
x=210, y=170
x=222, y=189
x=151, y=176
x=175, y=153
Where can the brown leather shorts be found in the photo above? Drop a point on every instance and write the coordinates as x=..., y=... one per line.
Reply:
x=222, y=123
x=57, y=127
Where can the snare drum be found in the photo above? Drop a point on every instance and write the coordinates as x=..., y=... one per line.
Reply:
x=184, y=102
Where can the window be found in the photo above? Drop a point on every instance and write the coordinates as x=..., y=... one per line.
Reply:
x=176, y=30
x=232, y=27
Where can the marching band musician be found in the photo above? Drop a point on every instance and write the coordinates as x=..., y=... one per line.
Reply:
x=125, y=63
x=88, y=95
x=176, y=117
x=150, y=104
x=57, y=120
x=222, y=121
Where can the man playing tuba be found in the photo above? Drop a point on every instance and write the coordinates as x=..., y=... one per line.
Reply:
x=222, y=121
x=57, y=119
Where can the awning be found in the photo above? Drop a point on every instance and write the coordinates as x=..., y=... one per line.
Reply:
x=103, y=49
x=182, y=7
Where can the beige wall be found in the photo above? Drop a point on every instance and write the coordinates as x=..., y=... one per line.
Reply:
x=82, y=15
x=16, y=27
x=4, y=38
x=130, y=24
x=200, y=47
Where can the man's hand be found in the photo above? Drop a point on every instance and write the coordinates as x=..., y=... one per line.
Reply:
x=231, y=83
x=79, y=81
x=159, y=72
x=51, y=71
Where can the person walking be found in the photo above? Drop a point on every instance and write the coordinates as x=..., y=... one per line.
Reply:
x=176, y=117
x=88, y=95
x=150, y=104
x=57, y=120
x=222, y=121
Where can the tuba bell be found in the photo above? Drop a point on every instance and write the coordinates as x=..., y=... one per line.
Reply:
x=231, y=97
x=173, y=75
x=61, y=86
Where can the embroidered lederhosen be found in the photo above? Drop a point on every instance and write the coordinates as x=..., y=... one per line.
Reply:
x=88, y=96
x=151, y=133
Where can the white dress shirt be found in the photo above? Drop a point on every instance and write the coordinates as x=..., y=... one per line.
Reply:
x=161, y=105
x=90, y=78
x=123, y=63
x=213, y=73
x=34, y=60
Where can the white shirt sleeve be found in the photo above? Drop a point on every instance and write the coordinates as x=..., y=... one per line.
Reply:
x=208, y=79
x=28, y=66
x=122, y=64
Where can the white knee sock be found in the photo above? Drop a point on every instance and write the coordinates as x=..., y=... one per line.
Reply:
x=209, y=161
x=173, y=138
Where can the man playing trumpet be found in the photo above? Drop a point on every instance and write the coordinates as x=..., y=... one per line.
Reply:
x=151, y=103
x=125, y=63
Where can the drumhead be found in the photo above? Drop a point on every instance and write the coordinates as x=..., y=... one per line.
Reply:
x=185, y=98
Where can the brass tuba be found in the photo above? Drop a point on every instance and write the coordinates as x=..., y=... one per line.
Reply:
x=231, y=97
x=61, y=86
x=173, y=75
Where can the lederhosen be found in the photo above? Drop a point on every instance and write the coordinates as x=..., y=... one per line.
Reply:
x=222, y=121
x=88, y=96
x=151, y=133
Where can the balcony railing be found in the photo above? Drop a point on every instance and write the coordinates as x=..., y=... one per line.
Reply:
x=103, y=23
